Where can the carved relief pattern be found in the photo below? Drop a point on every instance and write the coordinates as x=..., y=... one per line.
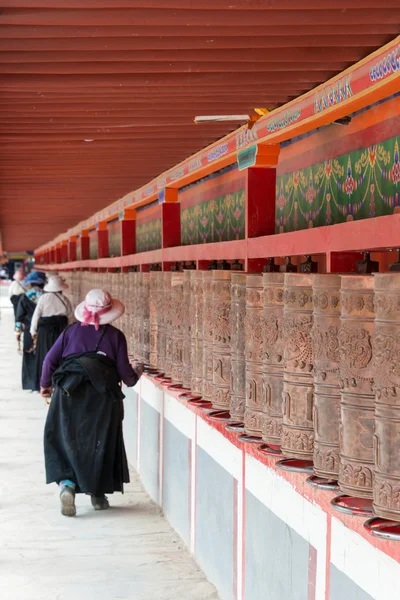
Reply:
x=188, y=319
x=221, y=349
x=237, y=400
x=357, y=391
x=325, y=346
x=386, y=358
x=254, y=354
x=208, y=334
x=298, y=396
x=166, y=301
x=196, y=281
x=272, y=357
x=154, y=334
x=179, y=316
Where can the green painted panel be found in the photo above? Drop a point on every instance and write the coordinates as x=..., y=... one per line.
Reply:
x=148, y=236
x=357, y=185
x=217, y=220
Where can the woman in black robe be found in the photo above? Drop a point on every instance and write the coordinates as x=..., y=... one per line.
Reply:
x=24, y=313
x=83, y=441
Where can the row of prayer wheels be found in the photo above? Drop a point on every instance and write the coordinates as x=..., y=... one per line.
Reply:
x=307, y=363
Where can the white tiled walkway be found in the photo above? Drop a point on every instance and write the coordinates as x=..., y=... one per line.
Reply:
x=126, y=553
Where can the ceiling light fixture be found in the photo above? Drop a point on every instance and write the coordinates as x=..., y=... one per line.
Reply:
x=213, y=118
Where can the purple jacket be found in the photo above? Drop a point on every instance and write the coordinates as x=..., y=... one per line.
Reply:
x=78, y=339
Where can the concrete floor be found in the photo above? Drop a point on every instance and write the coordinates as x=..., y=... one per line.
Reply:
x=129, y=552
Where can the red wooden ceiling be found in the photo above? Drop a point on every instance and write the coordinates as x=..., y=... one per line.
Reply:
x=132, y=74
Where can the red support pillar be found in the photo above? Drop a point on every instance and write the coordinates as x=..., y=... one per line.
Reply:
x=53, y=254
x=58, y=254
x=64, y=251
x=102, y=240
x=85, y=246
x=171, y=219
x=128, y=232
x=72, y=249
x=260, y=192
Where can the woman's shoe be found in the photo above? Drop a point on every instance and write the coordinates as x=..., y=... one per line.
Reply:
x=67, y=498
x=100, y=502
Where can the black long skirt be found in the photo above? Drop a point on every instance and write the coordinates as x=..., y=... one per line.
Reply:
x=83, y=438
x=49, y=330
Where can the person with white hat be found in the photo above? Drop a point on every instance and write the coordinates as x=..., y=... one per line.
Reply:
x=83, y=440
x=52, y=314
x=16, y=289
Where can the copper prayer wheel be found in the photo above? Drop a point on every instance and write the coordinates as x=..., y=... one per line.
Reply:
x=325, y=343
x=386, y=346
x=144, y=279
x=167, y=320
x=298, y=383
x=178, y=327
x=154, y=334
x=188, y=319
x=238, y=341
x=196, y=333
x=208, y=336
x=161, y=321
x=273, y=284
x=254, y=330
x=357, y=392
x=221, y=352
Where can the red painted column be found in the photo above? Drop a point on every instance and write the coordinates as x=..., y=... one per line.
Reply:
x=128, y=232
x=53, y=254
x=171, y=219
x=102, y=241
x=64, y=251
x=260, y=201
x=58, y=254
x=72, y=249
x=85, y=246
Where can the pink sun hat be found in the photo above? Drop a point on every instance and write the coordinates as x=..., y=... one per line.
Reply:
x=99, y=308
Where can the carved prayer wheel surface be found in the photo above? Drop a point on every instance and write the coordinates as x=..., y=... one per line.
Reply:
x=177, y=327
x=357, y=393
x=196, y=292
x=273, y=284
x=238, y=341
x=386, y=345
x=154, y=334
x=325, y=342
x=188, y=311
x=298, y=383
x=254, y=330
x=166, y=302
x=207, y=335
x=145, y=314
x=221, y=353
x=162, y=322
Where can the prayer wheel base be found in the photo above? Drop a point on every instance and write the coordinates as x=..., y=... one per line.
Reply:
x=189, y=396
x=323, y=484
x=270, y=450
x=156, y=374
x=249, y=439
x=177, y=386
x=350, y=505
x=295, y=465
x=383, y=529
x=220, y=415
x=236, y=427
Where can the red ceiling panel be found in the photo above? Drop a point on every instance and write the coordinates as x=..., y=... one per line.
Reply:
x=131, y=75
